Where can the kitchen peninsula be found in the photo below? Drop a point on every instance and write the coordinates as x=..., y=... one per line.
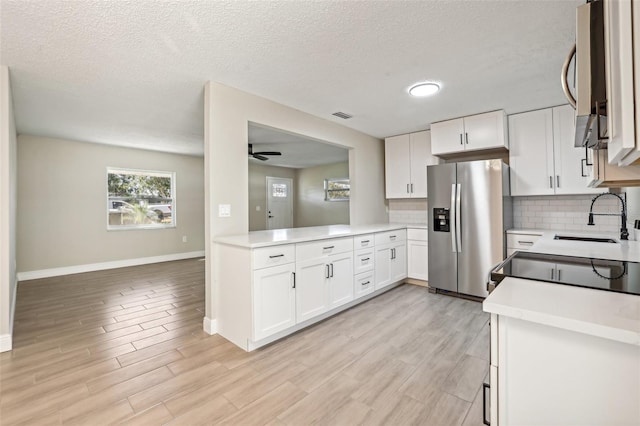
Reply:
x=272, y=283
x=562, y=354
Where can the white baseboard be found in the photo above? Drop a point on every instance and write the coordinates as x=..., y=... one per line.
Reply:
x=78, y=269
x=210, y=326
x=5, y=342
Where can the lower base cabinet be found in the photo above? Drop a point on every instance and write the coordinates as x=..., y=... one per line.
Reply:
x=417, y=254
x=546, y=375
x=312, y=293
x=274, y=300
x=391, y=264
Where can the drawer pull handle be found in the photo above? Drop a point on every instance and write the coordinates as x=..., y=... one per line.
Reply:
x=525, y=242
x=328, y=248
x=276, y=255
x=392, y=237
x=366, y=282
x=364, y=242
x=365, y=259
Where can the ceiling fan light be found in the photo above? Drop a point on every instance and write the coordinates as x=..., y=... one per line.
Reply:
x=421, y=90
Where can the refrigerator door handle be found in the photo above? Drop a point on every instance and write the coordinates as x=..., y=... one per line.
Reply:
x=452, y=210
x=458, y=220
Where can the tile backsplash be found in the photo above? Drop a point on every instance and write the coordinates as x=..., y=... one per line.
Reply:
x=565, y=213
x=408, y=211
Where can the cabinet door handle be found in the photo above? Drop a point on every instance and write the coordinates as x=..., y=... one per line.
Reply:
x=326, y=275
x=485, y=386
x=550, y=181
x=407, y=188
x=294, y=279
x=364, y=259
x=328, y=248
x=460, y=138
x=331, y=269
x=412, y=188
x=276, y=255
x=525, y=242
x=557, y=181
x=584, y=160
x=559, y=274
x=466, y=137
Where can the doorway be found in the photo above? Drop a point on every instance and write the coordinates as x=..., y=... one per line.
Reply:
x=279, y=203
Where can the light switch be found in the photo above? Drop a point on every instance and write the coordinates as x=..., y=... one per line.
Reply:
x=224, y=210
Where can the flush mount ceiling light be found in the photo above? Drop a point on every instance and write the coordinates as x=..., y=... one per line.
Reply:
x=420, y=90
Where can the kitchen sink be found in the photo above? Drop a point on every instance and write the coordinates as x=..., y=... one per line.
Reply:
x=587, y=239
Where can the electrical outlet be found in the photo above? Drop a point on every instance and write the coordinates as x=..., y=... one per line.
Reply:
x=224, y=210
x=184, y=238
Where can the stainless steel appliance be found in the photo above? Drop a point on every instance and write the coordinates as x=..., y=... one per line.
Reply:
x=590, y=101
x=601, y=274
x=469, y=211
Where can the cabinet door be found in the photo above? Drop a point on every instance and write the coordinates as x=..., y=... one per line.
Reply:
x=274, y=300
x=420, y=158
x=383, y=266
x=622, y=147
x=485, y=131
x=447, y=137
x=399, y=262
x=341, y=279
x=531, y=153
x=312, y=295
x=417, y=260
x=572, y=174
x=397, y=166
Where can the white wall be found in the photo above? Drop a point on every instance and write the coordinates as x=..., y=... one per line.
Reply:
x=228, y=112
x=8, y=206
x=62, y=204
x=310, y=207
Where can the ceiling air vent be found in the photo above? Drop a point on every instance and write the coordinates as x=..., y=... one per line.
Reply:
x=342, y=115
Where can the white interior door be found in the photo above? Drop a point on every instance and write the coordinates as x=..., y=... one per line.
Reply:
x=279, y=203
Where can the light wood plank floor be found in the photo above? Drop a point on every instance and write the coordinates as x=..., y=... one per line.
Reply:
x=127, y=346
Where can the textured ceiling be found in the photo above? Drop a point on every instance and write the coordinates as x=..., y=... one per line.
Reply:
x=132, y=72
x=297, y=151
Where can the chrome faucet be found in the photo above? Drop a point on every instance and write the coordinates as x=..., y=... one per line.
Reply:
x=624, y=233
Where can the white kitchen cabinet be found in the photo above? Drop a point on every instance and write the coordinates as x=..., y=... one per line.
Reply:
x=390, y=257
x=341, y=289
x=620, y=21
x=274, y=300
x=520, y=241
x=542, y=158
x=417, y=254
x=472, y=133
x=552, y=376
x=406, y=160
x=605, y=175
x=312, y=292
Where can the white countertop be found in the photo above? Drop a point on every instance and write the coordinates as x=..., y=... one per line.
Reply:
x=296, y=235
x=605, y=314
x=622, y=250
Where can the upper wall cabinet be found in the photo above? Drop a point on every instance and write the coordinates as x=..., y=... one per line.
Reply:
x=542, y=157
x=405, y=162
x=473, y=133
x=623, y=118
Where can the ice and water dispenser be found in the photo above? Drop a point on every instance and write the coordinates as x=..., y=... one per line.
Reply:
x=441, y=220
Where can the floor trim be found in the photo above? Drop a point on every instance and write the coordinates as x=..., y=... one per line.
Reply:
x=209, y=325
x=5, y=342
x=77, y=269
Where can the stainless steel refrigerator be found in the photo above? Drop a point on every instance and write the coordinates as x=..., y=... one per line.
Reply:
x=470, y=209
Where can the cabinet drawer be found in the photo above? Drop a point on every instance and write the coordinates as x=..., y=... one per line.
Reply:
x=314, y=249
x=363, y=260
x=363, y=241
x=391, y=236
x=417, y=234
x=271, y=256
x=521, y=241
x=364, y=284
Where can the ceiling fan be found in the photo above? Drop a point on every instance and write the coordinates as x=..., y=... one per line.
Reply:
x=261, y=155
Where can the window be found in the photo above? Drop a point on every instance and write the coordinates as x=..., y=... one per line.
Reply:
x=336, y=189
x=279, y=190
x=140, y=199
